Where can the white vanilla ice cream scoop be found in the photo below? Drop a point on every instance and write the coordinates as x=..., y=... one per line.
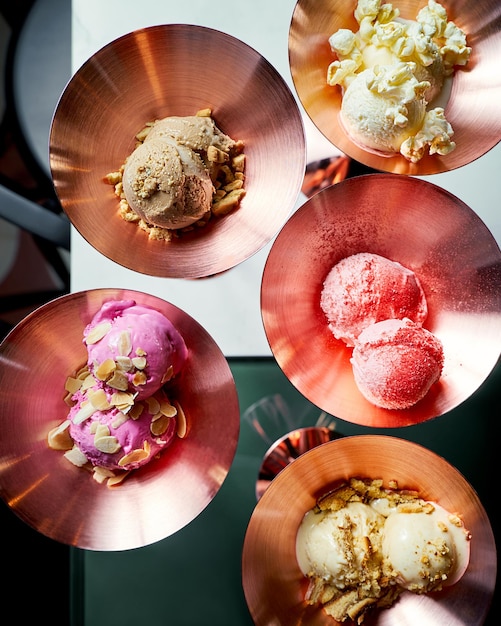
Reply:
x=425, y=551
x=336, y=545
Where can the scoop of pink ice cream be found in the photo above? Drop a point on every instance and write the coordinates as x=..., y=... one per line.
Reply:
x=121, y=439
x=395, y=362
x=133, y=348
x=366, y=288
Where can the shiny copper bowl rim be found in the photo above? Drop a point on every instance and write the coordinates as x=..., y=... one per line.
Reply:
x=176, y=69
x=472, y=107
x=64, y=502
x=273, y=584
x=405, y=219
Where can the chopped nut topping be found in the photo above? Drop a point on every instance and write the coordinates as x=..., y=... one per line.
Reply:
x=118, y=381
x=76, y=456
x=136, y=456
x=159, y=424
x=98, y=332
x=139, y=362
x=182, y=426
x=105, y=369
x=108, y=444
x=59, y=437
x=125, y=343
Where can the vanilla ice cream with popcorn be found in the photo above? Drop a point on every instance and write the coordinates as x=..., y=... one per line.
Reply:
x=390, y=71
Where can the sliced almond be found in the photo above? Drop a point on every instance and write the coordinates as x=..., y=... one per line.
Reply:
x=84, y=412
x=105, y=369
x=139, y=362
x=139, y=378
x=59, y=438
x=124, y=344
x=122, y=400
x=118, y=479
x=140, y=352
x=72, y=385
x=124, y=363
x=120, y=419
x=97, y=333
x=167, y=409
x=182, y=425
x=100, y=474
x=153, y=405
x=168, y=374
x=98, y=399
x=159, y=426
x=118, y=381
x=134, y=456
x=108, y=445
x=136, y=410
x=88, y=381
x=100, y=430
x=76, y=456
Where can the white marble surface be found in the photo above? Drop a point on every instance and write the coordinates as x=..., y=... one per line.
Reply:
x=228, y=306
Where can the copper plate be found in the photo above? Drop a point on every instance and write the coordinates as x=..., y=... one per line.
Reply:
x=273, y=583
x=167, y=70
x=408, y=220
x=472, y=107
x=63, y=501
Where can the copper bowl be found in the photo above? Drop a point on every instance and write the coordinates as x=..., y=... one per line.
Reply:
x=176, y=69
x=472, y=107
x=64, y=502
x=273, y=583
x=408, y=220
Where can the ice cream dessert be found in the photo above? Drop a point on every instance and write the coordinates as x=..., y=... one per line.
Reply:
x=365, y=288
x=364, y=544
x=183, y=171
x=391, y=72
x=121, y=415
x=395, y=363
x=133, y=348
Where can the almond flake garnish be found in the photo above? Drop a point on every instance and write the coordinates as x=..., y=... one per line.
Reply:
x=108, y=445
x=100, y=430
x=118, y=381
x=99, y=400
x=72, y=385
x=124, y=343
x=124, y=363
x=59, y=437
x=140, y=352
x=97, y=333
x=168, y=374
x=168, y=409
x=118, y=479
x=139, y=362
x=122, y=399
x=85, y=411
x=100, y=474
x=136, y=410
x=88, y=381
x=153, y=405
x=139, y=378
x=120, y=419
x=76, y=456
x=136, y=456
x=159, y=424
x=182, y=425
x=105, y=369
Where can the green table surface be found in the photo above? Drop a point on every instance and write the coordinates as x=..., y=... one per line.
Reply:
x=193, y=578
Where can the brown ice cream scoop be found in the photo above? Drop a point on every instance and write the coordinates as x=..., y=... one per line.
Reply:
x=167, y=184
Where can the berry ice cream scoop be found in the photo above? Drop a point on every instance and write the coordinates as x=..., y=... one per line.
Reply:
x=365, y=288
x=133, y=348
x=395, y=363
x=120, y=436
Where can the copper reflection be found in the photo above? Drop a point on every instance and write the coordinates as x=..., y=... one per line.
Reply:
x=63, y=501
x=273, y=583
x=176, y=70
x=407, y=220
x=472, y=107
